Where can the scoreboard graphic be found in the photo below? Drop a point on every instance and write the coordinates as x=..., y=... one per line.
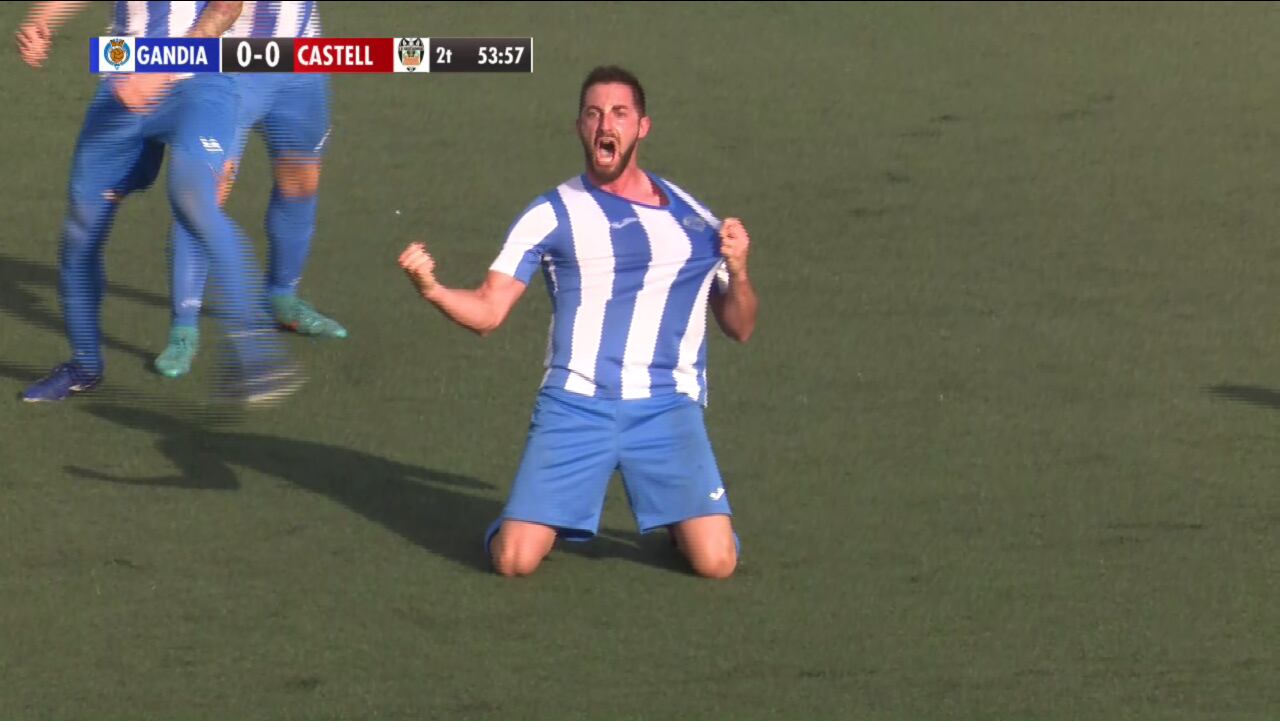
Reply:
x=310, y=55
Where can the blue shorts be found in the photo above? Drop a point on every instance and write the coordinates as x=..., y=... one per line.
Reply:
x=291, y=111
x=120, y=151
x=575, y=443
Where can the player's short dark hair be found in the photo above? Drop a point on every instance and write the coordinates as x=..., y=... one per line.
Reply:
x=612, y=74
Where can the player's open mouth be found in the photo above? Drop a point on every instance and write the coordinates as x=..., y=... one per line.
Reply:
x=606, y=150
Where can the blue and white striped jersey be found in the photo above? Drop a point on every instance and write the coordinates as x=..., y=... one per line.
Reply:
x=257, y=19
x=629, y=285
x=155, y=19
x=277, y=20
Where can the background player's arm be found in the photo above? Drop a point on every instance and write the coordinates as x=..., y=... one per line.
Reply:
x=140, y=92
x=480, y=310
x=217, y=18
x=735, y=308
x=53, y=14
x=35, y=35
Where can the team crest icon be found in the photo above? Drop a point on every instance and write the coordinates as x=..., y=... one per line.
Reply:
x=694, y=223
x=411, y=52
x=116, y=52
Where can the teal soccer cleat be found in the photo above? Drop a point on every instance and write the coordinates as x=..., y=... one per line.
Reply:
x=176, y=359
x=300, y=317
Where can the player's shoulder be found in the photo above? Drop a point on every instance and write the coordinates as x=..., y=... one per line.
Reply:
x=680, y=196
x=539, y=217
x=570, y=186
x=555, y=196
x=540, y=204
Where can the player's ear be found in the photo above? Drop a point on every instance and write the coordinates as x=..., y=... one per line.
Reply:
x=644, y=126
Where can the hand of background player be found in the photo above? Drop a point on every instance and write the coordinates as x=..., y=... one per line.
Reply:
x=34, y=40
x=140, y=92
x=734, y=245
x=420, y=267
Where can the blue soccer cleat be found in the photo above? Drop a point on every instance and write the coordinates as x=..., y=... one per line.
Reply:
x=62, y=382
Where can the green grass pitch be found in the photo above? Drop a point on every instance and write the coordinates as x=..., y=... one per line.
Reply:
x=1003, y=446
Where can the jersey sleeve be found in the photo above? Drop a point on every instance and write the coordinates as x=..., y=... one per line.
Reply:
x=526, y=242
x=722, y=277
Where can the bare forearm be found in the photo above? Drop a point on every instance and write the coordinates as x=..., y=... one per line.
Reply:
x=738, y=314
x=470, y=309
x=54, y=14
x=217, y=18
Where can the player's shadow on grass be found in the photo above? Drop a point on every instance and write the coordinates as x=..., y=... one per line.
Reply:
x=437, y=510
x=1253, y=395
x=18, y=276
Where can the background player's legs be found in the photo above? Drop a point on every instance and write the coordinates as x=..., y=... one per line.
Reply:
x=111, y=159
x=188, y=271
x=296, y=128
x=240, y=301
x=188, y=274
x=291, y=221
x=188, y=263
x=673, y=481
x=82, y=277
x=207, y=124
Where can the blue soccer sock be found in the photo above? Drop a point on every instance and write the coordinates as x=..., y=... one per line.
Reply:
x=188, y=271
x=82, y=277
x=290, y=224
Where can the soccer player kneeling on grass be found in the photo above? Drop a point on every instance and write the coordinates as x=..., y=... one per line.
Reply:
x=631, y=262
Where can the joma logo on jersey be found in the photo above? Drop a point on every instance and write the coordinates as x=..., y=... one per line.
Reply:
x=116, y=52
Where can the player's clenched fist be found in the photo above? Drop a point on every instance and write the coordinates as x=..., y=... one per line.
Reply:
x=734, y=245
x=420, y=267
x=34, y=39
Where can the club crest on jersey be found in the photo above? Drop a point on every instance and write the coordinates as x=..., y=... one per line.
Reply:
x=117, y=52
x=411, y=51
x=694, y=223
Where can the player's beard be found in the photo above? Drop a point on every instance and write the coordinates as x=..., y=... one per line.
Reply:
x=622, y=156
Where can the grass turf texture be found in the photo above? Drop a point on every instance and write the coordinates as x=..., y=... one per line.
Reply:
x=1003, y=445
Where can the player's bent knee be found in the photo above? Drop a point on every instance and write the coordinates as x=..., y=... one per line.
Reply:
x=516, y=560
x=519, y=548
x=715, y=565
x=709, y=544
x=514, y=565
x=298, y=178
